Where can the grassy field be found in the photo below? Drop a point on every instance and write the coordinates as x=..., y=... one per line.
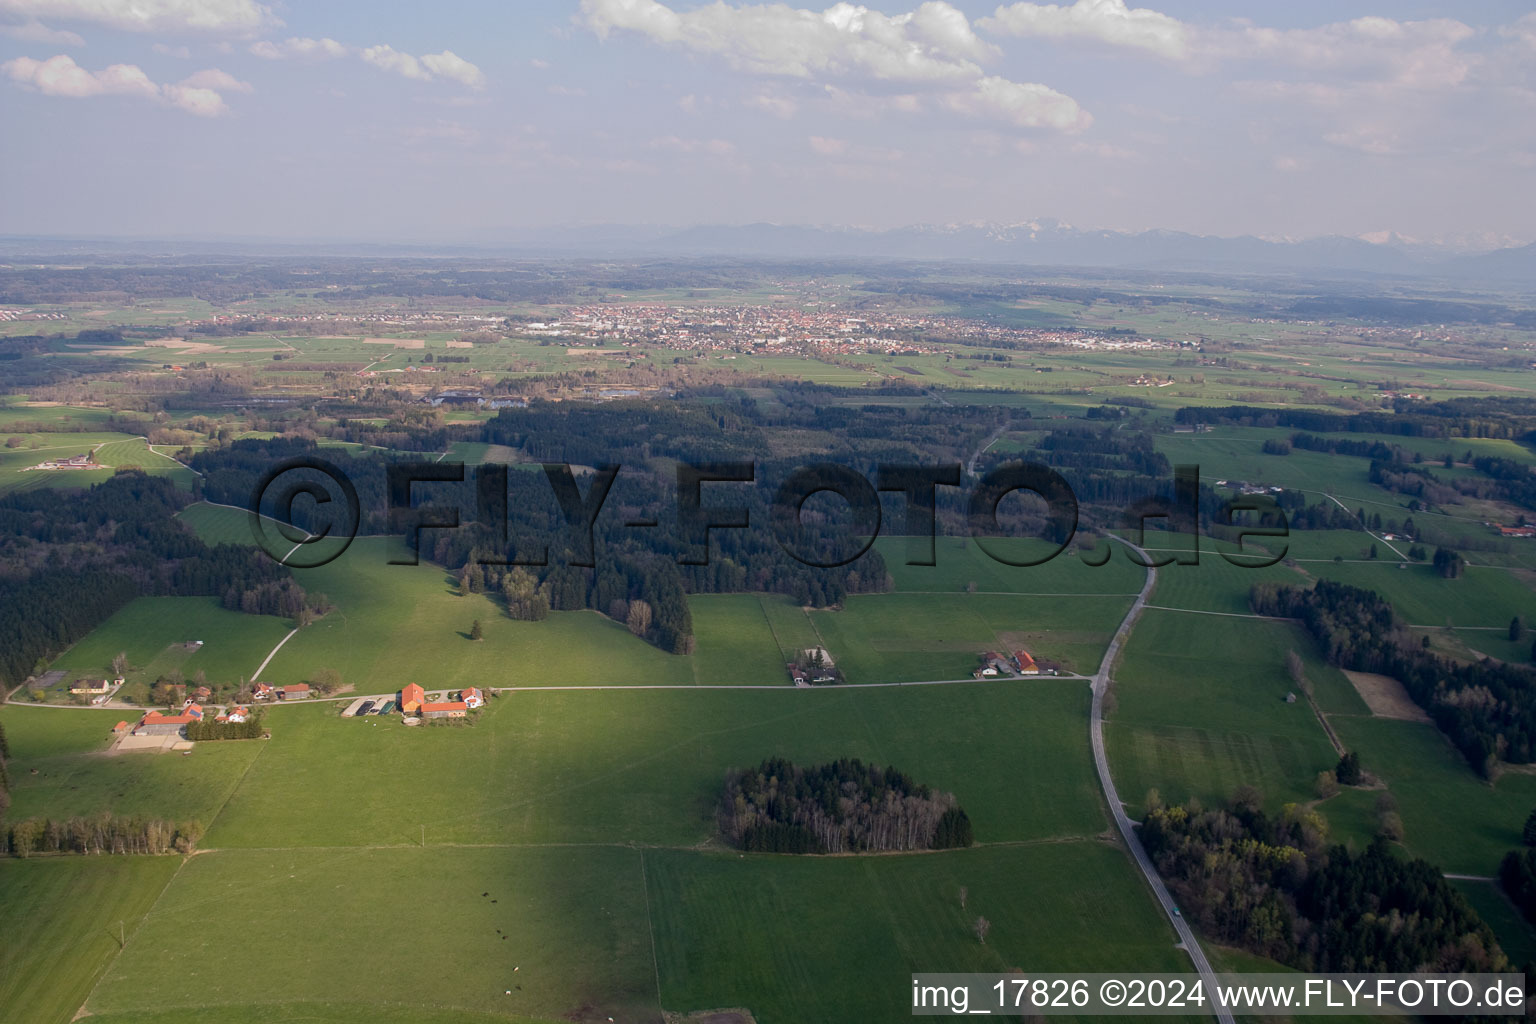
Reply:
x=234, y=643
x=585, y=816
x=417, y=931
x=1480, y=597
x=776, y=935
x=1513, y=931
x=904, y=637
x=63, y=918
x=113, y=451
x=1200, y=712
x=217, y=524
x=1451, y=816
x=73, y=777
x=962, y=565
x=589, y=766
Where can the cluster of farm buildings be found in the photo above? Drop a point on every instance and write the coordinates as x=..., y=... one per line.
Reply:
x=86, y=460
x=413, y=702
x=158, y=723
x=1019, y=663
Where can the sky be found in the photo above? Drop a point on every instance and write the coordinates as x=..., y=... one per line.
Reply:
x=466, y=121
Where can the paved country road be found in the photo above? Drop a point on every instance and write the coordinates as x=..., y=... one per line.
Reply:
x=1187, y=940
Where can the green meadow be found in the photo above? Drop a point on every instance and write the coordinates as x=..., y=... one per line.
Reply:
x=1451, y=816
x=1200, y=711
x=146, y=629
x=560, y=849
x=583, y=766
x=909, y=637
x=64, y=918
x=58, y=769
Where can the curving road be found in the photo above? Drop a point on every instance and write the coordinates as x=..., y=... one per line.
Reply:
x=1187, y=940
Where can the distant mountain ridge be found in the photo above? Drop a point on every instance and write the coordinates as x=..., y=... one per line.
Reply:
x=1033, y=243
x=1049, y=243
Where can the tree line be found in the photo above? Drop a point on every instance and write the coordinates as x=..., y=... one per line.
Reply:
x=1492, y=417
x=844, y=806
x=99, y=833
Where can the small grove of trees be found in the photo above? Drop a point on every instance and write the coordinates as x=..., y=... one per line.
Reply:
x=1448, y=563
x=325, y=680
x=101, y=833
x=846, y=806
x=1348, y=772
x=527, y=600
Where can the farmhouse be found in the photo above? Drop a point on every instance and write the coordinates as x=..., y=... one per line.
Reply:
x=262, y=691
x=193, y=711
x=446, y=709
x=156, y=724
x=91, y=686
x=238, y=714
x=293, y=691
x=1518, y=531
x=412, y=697
x=1025, y=664
x=472, y=697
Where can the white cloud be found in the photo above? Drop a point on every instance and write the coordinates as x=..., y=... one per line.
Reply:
x=931, y=49
x=198, y=94
x=390, y=59
x=299, y=46
x=61, y=76
x=1107, y=21
x=202, y=102
x=227, y=17
x=451, y=66
x=213, y=78
x=433, y=65
x=933, y=43
x=34, y=31
x=1027, y=105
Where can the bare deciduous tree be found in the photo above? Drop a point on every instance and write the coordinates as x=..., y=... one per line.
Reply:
x=981, y=928
x=964, y=894
x=639, y=618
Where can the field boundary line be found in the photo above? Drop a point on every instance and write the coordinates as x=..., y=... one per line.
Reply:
x=772, y=632
x=107, y=969
x=1229, y=615
x=650, y=930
